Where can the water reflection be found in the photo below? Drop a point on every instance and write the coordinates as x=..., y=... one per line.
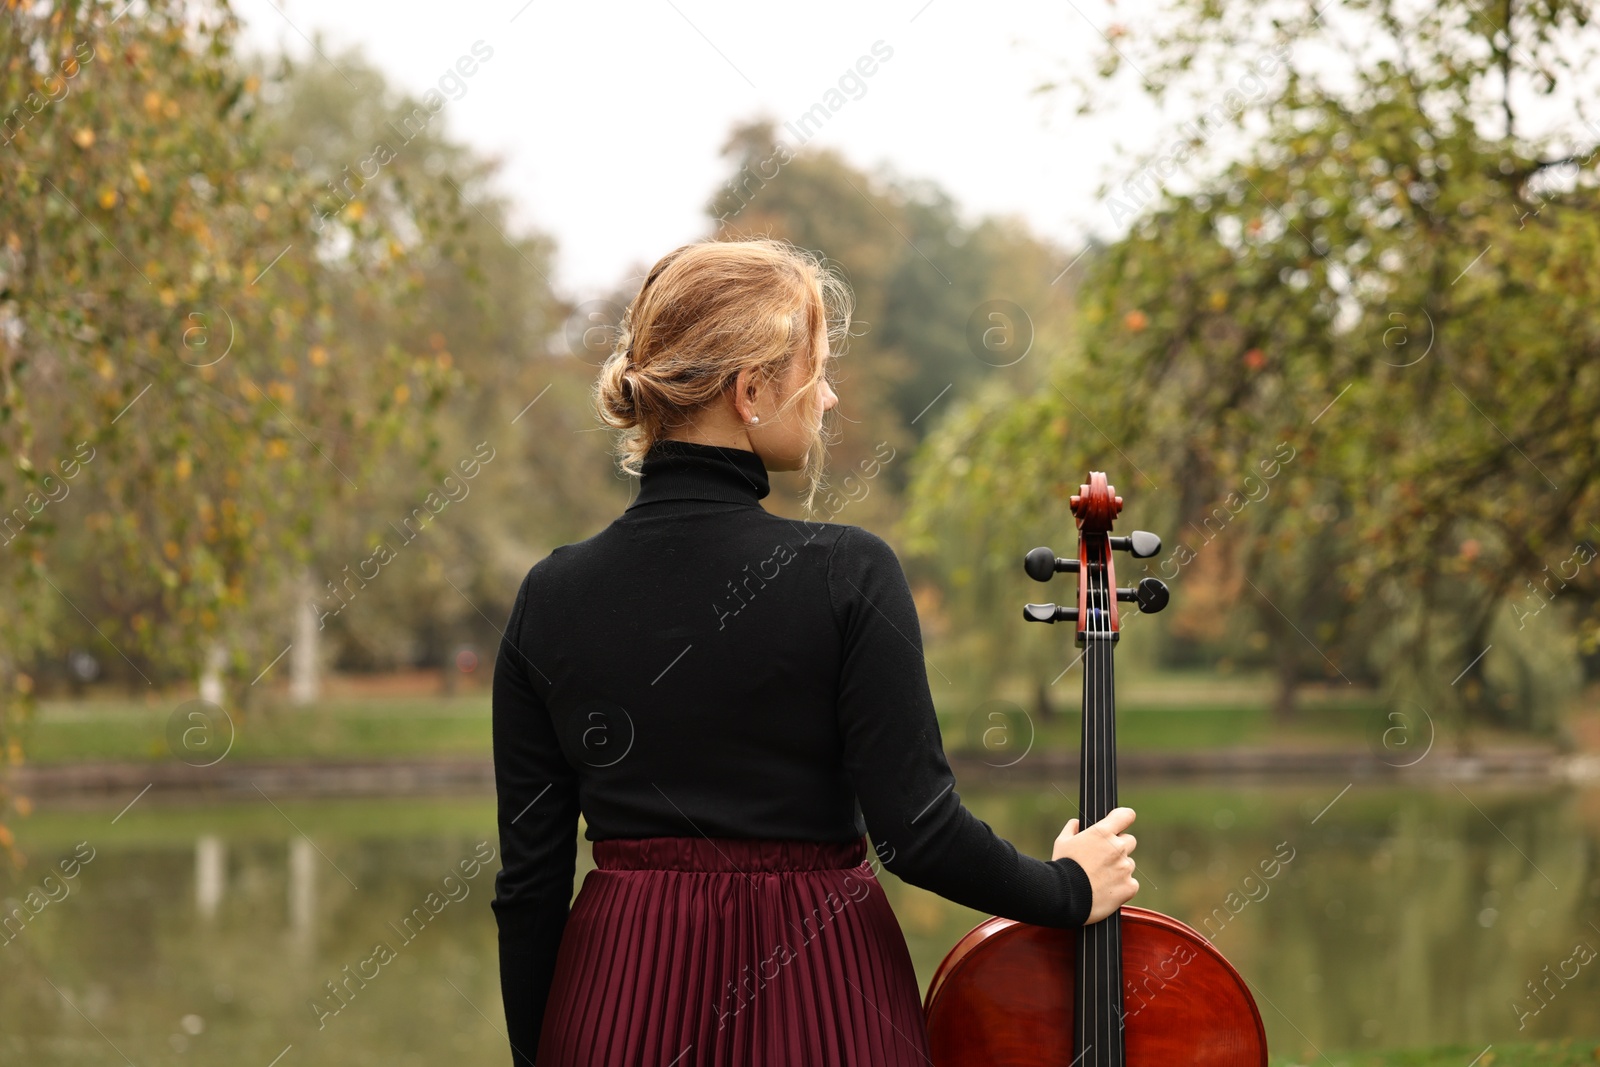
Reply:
x=302, y=896
x=210, y=859
x=1404, y=918
x=224, y=935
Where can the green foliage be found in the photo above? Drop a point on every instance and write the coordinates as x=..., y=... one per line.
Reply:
x=177, y=318
x=483, y=308
x=1395, y=284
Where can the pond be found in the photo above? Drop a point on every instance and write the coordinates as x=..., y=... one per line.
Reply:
x=193, y=934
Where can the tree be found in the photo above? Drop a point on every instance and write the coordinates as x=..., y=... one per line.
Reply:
x=167, y=355
x=1394, y=280
x=430, y=557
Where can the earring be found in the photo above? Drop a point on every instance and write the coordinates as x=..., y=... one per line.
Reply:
x=754, y=419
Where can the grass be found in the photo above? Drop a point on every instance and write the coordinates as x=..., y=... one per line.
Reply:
x=1177, y=711
x=1568, y=1052
x=1166, y=712
x=1164, y=722
x=1224, y=727
x=375, y=728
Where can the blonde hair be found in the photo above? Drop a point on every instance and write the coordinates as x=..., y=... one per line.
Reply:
x=705, y=312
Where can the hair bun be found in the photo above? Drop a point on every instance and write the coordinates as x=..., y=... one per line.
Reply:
x=621, y=394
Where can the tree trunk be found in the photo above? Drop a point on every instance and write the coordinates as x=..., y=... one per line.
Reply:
x=211, y=688
x=1288, y=682
x=303, y=680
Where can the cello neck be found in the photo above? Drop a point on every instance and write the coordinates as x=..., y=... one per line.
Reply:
x=1098, y=1036
x=1097, y=771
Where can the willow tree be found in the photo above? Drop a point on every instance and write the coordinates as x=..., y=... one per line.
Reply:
x=391, y=586
x=1374, y=242
x=165, y=325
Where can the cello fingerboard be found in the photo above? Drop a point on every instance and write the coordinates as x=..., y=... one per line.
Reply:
x=1097, y=1019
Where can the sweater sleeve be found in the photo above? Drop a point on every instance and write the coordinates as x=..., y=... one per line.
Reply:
x=895, y=756
x=537, y=799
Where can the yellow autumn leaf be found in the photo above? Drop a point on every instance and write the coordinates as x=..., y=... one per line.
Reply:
x=170, y=550
x=83, y=137
x=184, y=468
x=278, y=449
x=402, y=393
x=152, y=101
x=108, y=198
x=319, y=355
x=357, y=211
x=140, y=178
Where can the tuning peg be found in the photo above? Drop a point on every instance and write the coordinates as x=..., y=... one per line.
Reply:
x=1142, y=544
x=1042, y=564
x=1151, y=594
x=1049, y=613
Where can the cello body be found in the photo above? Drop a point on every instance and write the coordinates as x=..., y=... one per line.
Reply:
x=1136, y=988
x=1003, y=997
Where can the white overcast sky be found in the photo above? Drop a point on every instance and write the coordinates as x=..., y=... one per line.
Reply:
x=609, y=116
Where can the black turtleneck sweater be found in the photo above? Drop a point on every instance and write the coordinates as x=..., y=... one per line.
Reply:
x=703, y=667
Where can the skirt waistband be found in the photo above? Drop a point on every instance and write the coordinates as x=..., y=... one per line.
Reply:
x=727, y=854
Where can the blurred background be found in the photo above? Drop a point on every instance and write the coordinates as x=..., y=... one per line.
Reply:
x=300, y=311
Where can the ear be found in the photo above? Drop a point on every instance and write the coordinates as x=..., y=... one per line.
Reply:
x=745, y=391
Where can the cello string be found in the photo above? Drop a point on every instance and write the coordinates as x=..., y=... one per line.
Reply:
x=1100, y=770
x=1097, y=621
x=1086, y=799
x=1114, y=936
x=1088, y=1017
x=1113, y=800
x=1108, y=788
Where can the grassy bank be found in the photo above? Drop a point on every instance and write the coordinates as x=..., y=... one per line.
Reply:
x=373, y=728
x=1569, y=1052
x=1165, y=712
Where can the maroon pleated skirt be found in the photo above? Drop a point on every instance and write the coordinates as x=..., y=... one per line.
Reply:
x=687, y=951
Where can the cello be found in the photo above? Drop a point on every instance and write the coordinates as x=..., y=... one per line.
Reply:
x=1138, y=987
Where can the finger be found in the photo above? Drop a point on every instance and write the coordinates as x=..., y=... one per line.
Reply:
x=1129, y=842
x=1071, y=828
x=1116, y=822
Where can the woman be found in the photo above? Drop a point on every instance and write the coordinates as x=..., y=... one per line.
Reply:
x=732, y=700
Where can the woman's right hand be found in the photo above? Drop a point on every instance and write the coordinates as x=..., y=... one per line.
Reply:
x=1105, y=854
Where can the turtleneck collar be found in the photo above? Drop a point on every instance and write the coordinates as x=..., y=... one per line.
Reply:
x=689, y=470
